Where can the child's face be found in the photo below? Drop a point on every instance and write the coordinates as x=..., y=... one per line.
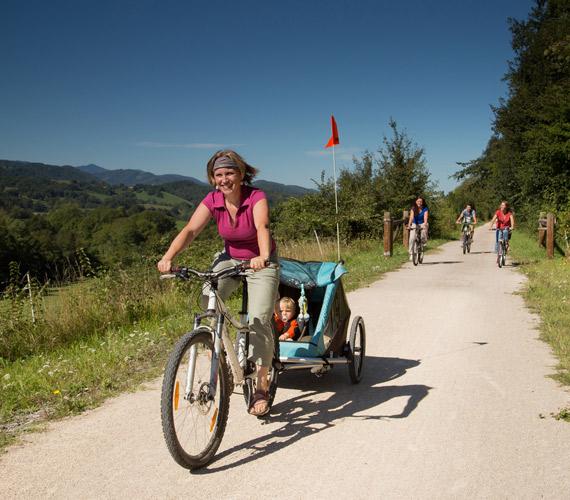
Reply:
x=286, y=313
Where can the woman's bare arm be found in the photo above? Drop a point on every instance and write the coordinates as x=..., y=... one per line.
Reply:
x=261, y=221
x=195, y=225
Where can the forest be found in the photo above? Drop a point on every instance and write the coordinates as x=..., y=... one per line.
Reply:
x=527, y=159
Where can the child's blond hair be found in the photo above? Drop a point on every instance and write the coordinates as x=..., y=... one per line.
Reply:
x=287, y=301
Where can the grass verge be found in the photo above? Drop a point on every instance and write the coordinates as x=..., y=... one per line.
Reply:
x=73, y=373
x=548, y=294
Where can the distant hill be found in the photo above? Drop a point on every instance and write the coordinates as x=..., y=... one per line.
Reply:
x=285, y=189
x=12, y=168
x=132, y=177
x=39, y=187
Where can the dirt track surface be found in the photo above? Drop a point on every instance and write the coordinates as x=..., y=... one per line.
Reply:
x=450, y=407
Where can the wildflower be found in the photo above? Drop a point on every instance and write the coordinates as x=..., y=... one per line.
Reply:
x=6, y=377
x=56, y=391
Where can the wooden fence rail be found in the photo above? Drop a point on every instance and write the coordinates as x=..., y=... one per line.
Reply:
x=546, y=232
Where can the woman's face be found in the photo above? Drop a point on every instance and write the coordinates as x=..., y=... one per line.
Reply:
x=419, y=203
x=228, y=180
x=503, y=207
x=468, y=208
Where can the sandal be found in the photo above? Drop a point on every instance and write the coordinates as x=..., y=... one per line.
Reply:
x=257, y=397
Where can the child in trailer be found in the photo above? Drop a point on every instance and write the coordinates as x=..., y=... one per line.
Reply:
x=287, y=326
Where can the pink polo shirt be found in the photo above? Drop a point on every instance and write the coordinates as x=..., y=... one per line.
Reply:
x=240, y=239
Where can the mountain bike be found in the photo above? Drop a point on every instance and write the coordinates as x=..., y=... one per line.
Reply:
x=417, y=246
x=201, y=372
x=466, y=237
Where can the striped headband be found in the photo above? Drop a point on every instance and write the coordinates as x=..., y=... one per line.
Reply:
x=225, y=162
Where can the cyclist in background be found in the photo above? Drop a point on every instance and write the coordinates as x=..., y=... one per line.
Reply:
x=504, y=222
x=418, y=221
x=468, y=217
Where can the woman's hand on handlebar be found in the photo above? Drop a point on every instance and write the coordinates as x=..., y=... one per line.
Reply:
x=258, y=263
x=164, y=265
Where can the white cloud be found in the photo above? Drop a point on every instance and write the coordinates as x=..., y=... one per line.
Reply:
x=188, y=145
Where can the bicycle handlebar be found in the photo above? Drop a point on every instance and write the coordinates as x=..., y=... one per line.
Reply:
x=186, y=272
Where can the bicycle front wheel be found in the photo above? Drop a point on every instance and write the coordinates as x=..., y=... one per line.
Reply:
x=415, y=253
x=193, y=422
x=500, y=255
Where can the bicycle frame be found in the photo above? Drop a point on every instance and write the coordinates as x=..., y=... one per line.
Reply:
x=221, y=338
x=218, y=312
x=466, y=230
x=418, y=236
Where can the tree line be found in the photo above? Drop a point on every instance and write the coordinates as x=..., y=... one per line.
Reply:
x=527, y=158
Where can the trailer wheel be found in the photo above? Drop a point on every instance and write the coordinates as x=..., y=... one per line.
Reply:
x=356, y=349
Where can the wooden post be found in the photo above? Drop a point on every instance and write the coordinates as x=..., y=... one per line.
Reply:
x=542, y=236
x=405, y=232
x=550, y=235
x=387, y=234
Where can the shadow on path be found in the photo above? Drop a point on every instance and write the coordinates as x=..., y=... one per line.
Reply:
x=303, y=415
x=481, y=253
x=442, y=262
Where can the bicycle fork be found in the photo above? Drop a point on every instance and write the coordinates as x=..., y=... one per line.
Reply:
x=237, y=358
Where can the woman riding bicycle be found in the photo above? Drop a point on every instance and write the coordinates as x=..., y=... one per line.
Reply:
x=505, y=223
x=468, y=217
x=241, y=213
x=418, y=219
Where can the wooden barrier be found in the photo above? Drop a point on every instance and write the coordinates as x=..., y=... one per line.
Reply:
x=546, y=233
x=391, y=231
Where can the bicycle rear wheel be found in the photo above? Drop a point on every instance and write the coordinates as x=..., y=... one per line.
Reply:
x=357, y=349
x=193, y=423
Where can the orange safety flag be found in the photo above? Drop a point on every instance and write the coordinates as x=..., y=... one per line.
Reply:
x=334, y=140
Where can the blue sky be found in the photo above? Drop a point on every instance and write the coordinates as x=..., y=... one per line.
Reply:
x=160, y=85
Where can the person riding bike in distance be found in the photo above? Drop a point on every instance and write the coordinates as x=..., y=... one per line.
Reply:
x=468, y=217
x=241, y=213
x=419, y=214
x=504, y=222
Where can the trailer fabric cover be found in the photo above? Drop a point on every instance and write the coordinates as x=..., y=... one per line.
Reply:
x=295, y=273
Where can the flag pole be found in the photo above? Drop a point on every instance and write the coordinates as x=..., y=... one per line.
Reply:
x=336, y=204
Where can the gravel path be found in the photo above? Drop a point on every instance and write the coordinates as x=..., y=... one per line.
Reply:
x=450, y=407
